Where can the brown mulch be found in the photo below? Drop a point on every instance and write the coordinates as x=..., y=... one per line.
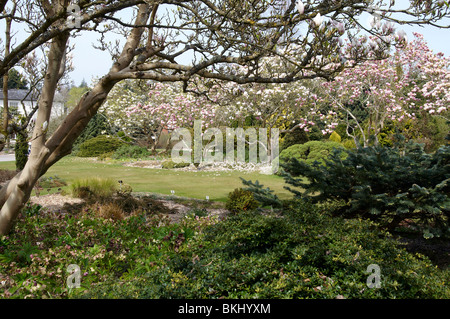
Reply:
x=6, y=175
x=54, y=202
x=175, y=211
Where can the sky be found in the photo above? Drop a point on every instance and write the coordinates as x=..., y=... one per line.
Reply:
x=90, y=64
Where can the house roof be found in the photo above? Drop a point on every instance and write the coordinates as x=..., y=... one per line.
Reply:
x=20, y=95
x=24, y=95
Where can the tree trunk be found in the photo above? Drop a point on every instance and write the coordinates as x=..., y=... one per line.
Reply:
x=44, y=153
x=5, y=113
x=14, y=196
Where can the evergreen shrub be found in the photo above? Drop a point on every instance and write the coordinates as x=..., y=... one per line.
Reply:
x=392, y=185
x=131, y=151
x=99, y=145
x=241, y=200
x=309, y=152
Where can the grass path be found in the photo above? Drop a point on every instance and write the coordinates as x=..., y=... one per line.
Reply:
x=197, y=184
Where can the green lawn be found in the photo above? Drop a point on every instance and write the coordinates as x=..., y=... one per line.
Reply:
x=198, y=185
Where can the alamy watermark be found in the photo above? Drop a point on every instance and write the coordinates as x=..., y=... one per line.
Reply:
x=74, y=279
x=263, y=146
x=374, y=280
x=74, y=18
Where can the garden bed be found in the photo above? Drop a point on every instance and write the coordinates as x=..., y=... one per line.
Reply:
x=436, y=249
x=214, y=167
x=174, y=209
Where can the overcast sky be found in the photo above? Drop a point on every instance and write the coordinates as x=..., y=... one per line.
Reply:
x=90, y=63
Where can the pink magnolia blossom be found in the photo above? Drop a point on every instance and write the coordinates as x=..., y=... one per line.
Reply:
x=413, y=78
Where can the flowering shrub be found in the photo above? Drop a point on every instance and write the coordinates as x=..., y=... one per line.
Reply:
x=168, y=107
x=144, y=111
x=413, y=82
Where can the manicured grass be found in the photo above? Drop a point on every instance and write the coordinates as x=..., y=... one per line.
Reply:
x=198, y=184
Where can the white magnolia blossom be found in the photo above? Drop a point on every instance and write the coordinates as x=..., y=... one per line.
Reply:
x=374, y=21
x=300, y=7
x=318, y=19
x=339, y=26
x=401, y=35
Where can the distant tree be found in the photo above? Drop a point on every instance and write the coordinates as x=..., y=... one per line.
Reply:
x=168, y=108
x=75, y=94
x=15, y=80
x=98, y=125
x=83, y=84
x=413, y=81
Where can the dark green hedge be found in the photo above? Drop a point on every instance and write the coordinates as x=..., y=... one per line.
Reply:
x=99, y=145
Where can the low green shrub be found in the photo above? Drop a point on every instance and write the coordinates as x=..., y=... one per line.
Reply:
x=105, y=156
x=265, y=196
x=302, y=252
x=241, y=200
x=131, y=151
x=169, y=164
x=335, y=137
x=197, y=212
x=99, y=145
x=348, y=143
x=297, y=252
x=309, y=152
x=31, y=209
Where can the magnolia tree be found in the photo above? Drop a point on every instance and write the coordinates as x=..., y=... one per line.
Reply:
x=410, y=81
x=214, y=36
x=266, y=106
x=168, y=108
x=125, y=94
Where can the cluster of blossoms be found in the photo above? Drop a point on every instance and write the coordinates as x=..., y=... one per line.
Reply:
x=412, y=80
x=270, y=105
x=142, y=111
x=170, y=108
